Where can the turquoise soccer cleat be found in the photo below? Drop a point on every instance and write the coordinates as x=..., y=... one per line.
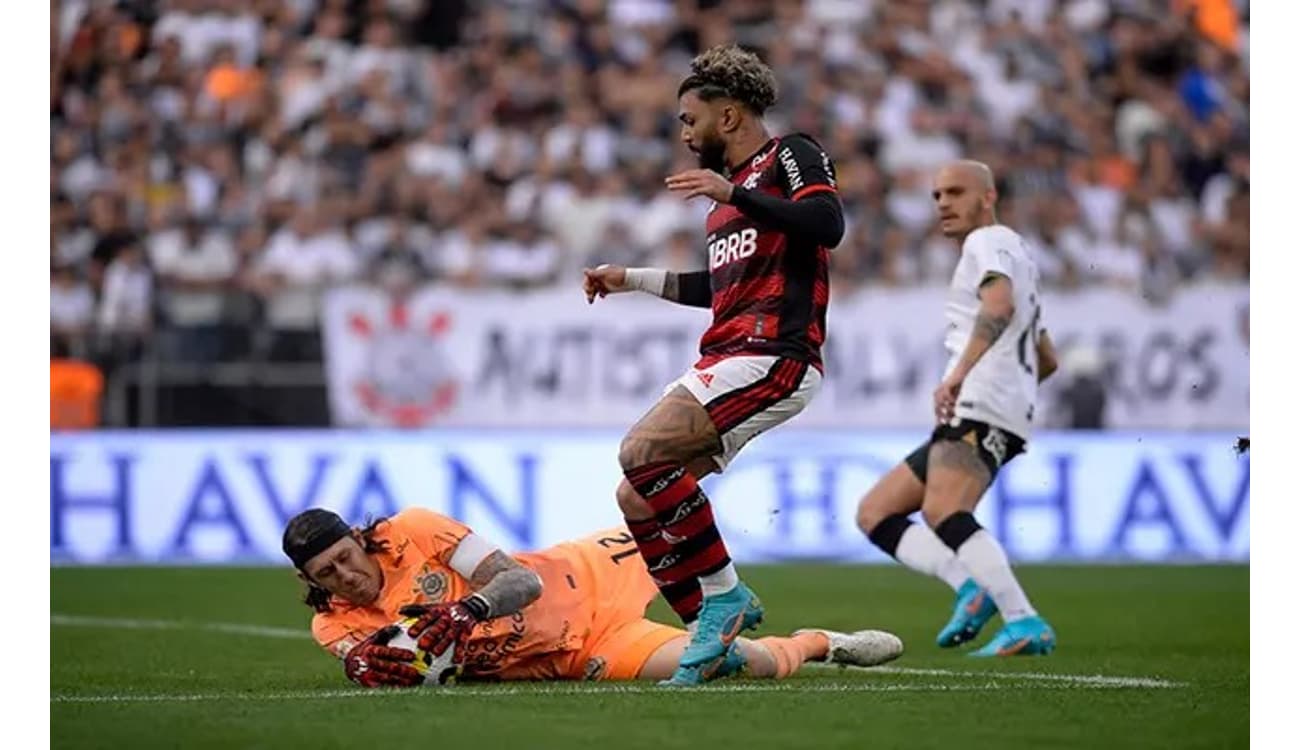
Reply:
x=722, y=619
x=972, y=610
x=732, y=664
x=1031, y=636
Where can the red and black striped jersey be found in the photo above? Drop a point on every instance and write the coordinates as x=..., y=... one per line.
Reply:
x=770, y=287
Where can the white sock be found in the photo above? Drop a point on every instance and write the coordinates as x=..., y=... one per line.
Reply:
x=988, y=565
x=922, y=551
x=721, y=582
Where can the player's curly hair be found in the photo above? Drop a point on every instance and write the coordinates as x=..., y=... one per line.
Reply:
x=727, y=70
x=318, y=598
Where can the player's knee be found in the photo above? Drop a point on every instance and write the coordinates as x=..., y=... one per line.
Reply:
x=631, y=503
x=628, y=452
x=869, y=515
x=935, y=512
x=636, y=451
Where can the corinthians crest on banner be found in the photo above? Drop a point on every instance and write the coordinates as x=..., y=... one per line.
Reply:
x=444, y=356
x=388, y=359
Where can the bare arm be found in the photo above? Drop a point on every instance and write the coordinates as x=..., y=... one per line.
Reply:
x=1047, y=362
x=504, y=584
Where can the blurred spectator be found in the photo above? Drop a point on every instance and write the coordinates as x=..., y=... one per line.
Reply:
x=503, y=145
x=1082, y=394
x=299, y=262
x=72, y=312
x=125, y=316
x=522, y=257
x=195, y=267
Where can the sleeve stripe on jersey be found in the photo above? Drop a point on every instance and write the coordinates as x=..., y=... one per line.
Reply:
x=812, y=189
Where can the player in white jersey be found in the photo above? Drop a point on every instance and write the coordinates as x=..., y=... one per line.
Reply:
x=999, y=353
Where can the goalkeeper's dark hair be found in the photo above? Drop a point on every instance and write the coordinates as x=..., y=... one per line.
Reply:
x=727, y=70
x=318, y=598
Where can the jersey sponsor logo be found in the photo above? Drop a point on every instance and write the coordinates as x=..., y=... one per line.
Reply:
x=751, y=181
x=732, y=247
x=830, y=173
x=496, y=644
x=706, y=378
x=792, y=173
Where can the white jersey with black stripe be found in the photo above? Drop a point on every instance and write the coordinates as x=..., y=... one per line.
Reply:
x=1002, y=388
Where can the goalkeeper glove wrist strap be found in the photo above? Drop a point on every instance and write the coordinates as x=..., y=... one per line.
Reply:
x=478, y=605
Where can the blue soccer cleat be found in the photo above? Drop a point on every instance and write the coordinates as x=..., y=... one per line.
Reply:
x=972, y=610
x=1031, y=636
x=733, y=663
x=722, y=619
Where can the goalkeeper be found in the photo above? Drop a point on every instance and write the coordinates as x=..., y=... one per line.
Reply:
x=575, y=611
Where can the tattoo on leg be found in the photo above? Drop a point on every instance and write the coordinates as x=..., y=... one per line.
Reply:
x=676, y=429
x=951, y=454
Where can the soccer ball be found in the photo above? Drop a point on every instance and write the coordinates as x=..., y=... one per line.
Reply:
x=437, y=670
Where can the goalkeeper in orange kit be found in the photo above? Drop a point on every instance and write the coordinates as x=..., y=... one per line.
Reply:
x=574, y=611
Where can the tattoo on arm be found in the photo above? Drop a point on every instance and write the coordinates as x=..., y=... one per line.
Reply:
x=989, y=326
x=505, y=583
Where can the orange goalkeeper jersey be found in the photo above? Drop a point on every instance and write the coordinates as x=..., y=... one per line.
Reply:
x=589, y=586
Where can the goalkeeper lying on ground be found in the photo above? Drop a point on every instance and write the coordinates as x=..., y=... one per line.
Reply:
x=575, y=611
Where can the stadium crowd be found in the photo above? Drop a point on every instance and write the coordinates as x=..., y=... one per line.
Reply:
x=216, y=163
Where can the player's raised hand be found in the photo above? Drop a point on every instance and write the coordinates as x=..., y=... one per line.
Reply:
x=373, y=663
x=945, y=399
x=704, y=182
x=603, y=280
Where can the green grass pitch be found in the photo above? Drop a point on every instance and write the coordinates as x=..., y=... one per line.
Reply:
x=141, y=658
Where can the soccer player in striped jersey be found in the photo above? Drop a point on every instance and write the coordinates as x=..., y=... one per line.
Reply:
x=774, y=218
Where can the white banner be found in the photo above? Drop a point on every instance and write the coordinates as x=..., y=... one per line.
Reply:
x=547, y=359
x=218, y=496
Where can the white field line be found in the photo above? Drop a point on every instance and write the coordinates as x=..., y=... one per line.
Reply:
x=1089, y=680
x=1045, y=679
x=540, y=690
x=259, y=631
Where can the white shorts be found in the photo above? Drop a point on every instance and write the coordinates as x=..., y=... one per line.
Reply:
x=746, y=396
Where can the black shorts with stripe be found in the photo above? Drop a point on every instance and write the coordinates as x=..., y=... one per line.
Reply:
x=994, y=445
